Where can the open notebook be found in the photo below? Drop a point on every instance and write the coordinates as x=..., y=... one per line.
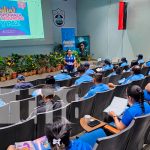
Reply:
x=118, y=105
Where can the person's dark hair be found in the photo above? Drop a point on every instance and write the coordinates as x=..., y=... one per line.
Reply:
x=140, y=56
x=81, y=69
x=134, y=63
x=98, y=77
x=123, y=59
x=126, y=68
x=137, y=94
x=107, y=62
x=136, y=70
x=50, y=80
x=58, y=134
x=118, y=70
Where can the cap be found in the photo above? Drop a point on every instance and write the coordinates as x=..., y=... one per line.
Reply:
x=21, y=78
x=140, y=55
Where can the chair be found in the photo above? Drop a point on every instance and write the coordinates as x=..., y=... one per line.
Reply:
x=145, y=70
x=76, y=111
x=138, y=82
x=41, y=81
x=105, y=80
x=125, y=75
x=48, y=117
x=23, y=131
x=120, y=90
x=147, y=136
x=146, y=81
x=116, y=141
x=114, y=79
x=102, y=100
x=138, y=132
x=6, y=89
x=84, y=88
x=64, y=83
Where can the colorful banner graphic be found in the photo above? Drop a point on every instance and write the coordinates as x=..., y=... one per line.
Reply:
x=68, y=38
x=14, y=20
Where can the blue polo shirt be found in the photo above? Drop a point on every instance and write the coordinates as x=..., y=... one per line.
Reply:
x=148, y=64
x=124, y=64
x=141, y=61
x=112, y=74
x=107, y=67
x=96, y=89
x=62, y=76
x=70, y=59
x=146, y=95
x=131, y=78
x=83, y=78
x=89, y=72
x=134, y=111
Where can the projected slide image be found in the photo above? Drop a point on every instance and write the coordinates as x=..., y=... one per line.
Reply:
x=21, y=19
x=14, y=18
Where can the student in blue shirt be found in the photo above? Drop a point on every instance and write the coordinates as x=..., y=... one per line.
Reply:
x=62, y=76
x=58, y=138
x=88, y=70
x=147, y=93
x=83, y=77
x=140, y=59
x=137, y=108
x=116, y=71
x=136, y=76
x=107, y=65
x=98, y=87
x=124, y=62
x=21, y=84
x=69, y=61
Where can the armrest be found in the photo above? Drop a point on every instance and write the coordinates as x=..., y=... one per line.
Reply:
x=111, y=129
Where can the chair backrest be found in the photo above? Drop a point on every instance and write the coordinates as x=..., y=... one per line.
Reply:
x=64, y=83
x=23, y=131
x=146, y=81
x=138, y=132
x=6, y=89
x=84, y=88
x=147, y=136
x=145, y=70
x=102, y=100
x=105, y=80
x=114, y=79
x=138, y=82
x=41, y=81
x=73, y=79
x=126, y=74
x=120, y=90
x=116, y=141
x=76, y=111
x=49, y=117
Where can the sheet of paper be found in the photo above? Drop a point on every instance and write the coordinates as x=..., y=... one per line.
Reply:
x=118, y=105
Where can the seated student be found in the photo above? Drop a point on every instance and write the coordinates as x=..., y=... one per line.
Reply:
x=98, y=87
x=140, y=59
x=88, y=70
x=124, y=62
x=62, y=76
x=83, y=77
x=116, y=71
x=126, y=69
x=58, y=138
x=147, y=93
x=137, y=108
x=21, y=84
x=48, y=103
x=50, y=81
x=134, y=77
x=107, y=65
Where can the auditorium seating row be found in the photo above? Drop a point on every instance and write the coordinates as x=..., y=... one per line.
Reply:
x=133, y=137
